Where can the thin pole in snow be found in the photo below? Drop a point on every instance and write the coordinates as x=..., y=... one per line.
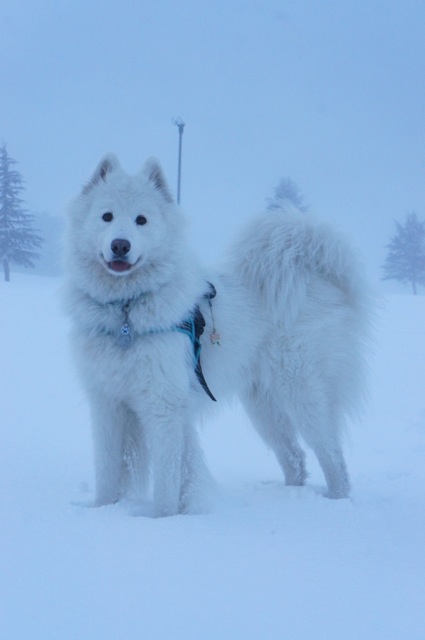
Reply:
x=180, y=124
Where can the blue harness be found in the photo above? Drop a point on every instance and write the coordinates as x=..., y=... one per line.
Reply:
x=193, y=328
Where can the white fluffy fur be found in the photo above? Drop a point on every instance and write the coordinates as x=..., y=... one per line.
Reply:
x=291, y=310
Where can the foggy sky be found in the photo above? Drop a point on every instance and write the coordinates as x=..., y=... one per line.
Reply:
x=328, y=92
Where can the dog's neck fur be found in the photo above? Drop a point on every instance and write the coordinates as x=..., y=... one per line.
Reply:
x=152, y=310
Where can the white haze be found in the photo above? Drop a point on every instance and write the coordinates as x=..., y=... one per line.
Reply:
x=330, y=93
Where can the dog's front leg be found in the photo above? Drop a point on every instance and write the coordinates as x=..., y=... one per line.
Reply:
x=108, y=430
x=165, y=441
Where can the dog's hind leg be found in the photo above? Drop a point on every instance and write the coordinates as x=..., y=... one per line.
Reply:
x=335, y=471
x=322, y=435
x=320, y=426
x=276, y=429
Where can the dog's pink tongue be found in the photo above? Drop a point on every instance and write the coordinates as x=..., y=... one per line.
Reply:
x=119, y=265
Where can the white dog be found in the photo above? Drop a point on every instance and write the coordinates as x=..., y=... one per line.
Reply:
x=282, y=325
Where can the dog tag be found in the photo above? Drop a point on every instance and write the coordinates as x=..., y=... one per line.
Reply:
x=215, y=338
x=125, y=335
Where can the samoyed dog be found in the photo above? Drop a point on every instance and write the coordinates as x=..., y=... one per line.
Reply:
x=158, y=339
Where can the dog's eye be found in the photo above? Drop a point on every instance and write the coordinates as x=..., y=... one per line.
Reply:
x=141, y=220
x=107, y=217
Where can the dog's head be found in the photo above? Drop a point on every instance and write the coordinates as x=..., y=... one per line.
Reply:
x=124, y=223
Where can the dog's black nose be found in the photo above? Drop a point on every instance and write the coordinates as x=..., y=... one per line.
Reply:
x=120, y=247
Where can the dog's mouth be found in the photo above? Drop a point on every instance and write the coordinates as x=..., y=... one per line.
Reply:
x=119, y=266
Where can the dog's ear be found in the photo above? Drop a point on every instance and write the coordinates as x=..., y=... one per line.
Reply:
x=107, y=165
x=153, y=172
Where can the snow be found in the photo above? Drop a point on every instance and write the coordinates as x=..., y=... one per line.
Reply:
x=270, y=563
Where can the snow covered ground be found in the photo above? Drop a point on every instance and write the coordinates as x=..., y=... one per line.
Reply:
x=271, y=563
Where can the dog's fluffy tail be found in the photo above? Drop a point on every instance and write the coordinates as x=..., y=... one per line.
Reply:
x=278, y=253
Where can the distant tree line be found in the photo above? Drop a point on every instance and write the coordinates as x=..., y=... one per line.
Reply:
x=19, y=241
x=405, y=260
x=287, y=194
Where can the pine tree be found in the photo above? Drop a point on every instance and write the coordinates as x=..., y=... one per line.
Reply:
x=286, y=192
x=405, y=261
x=18, y=240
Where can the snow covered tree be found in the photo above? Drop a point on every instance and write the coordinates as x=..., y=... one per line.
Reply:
x=405, y=260
x=18, y=240
x=286, y=192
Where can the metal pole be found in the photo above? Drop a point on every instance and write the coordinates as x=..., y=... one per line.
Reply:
x=180, y=125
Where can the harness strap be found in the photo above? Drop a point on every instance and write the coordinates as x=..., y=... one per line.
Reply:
x=194, y=327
